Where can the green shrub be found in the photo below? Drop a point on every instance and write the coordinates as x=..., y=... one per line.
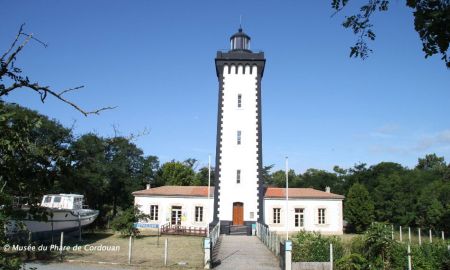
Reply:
x=430, y=256
x=353, y=261
x=357, y=244
x=397, y=256
x=313, y=247
x=124, y=222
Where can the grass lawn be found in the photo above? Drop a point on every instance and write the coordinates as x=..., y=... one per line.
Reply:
x=183, y=251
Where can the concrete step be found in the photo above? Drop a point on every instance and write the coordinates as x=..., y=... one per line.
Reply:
x=238, y=230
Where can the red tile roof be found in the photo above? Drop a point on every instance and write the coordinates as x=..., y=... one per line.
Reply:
x=300, y=193
x=174, y=191
x=202, y=191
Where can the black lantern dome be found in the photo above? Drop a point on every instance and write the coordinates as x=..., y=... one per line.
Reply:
x=240, y=41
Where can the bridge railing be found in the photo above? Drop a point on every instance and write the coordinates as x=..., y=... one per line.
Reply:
x=271, y=239
x=214, y=234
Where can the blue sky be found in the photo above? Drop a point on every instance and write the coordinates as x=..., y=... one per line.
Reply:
x=154, y=60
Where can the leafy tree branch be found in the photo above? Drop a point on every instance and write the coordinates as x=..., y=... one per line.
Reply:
x=431, y=22
x=13, y=74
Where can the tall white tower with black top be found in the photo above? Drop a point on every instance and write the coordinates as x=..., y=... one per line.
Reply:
x=239, y=191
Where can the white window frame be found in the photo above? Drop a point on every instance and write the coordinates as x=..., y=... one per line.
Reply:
x=239, y=101
x=276, y=215
x=322, y=216
x=238, y=176
x=154, y=212
x=199, y=213
x=301, y=217
x=239, y=137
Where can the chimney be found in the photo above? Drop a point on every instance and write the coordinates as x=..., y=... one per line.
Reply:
x=148, y=186
x=327, y=189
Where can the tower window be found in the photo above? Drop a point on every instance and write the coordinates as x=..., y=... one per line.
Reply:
x=239, y=133
x=239, y=101
x=238, y=176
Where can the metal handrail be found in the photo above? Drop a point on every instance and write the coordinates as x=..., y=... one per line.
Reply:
x=214, y=234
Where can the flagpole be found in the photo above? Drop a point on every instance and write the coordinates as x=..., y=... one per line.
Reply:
x=209, y=187
x=287, y=198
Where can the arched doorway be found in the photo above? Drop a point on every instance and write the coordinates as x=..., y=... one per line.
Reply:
x=238, y=213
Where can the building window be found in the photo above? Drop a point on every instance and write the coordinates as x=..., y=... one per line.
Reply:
x=238, y=176
x=321, y=213
x=252, y=215
x=239, y=101
x=153, y=212
x=239, y=133
x=276, y=215
x=299, y=219
x=199, y=213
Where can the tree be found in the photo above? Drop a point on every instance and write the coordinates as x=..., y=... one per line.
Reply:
x=378, y=244
x=358, y=209
x=278, y=179
x=320, y=179
x=202, y=177
x=89, y=173
x=429, y=209
x=431, y=22
x=149, y=169
x=33, y=153
x=107, y=171
x=124, y=221
x=125, y=170
x=175, y=173
x=431, y=162
x=265, y=173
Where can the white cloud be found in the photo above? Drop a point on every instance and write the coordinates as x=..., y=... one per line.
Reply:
x=385, y=132
x=440, y=140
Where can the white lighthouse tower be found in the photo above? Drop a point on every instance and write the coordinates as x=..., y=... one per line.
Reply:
x=239, y=191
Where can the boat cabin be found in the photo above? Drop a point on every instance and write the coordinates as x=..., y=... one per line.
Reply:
x=63, y=201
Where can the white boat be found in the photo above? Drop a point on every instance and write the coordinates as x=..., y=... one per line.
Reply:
x=64, y=213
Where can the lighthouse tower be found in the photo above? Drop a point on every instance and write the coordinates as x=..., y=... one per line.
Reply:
x=239, y=189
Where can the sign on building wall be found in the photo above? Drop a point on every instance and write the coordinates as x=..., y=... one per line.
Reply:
x=145, y=225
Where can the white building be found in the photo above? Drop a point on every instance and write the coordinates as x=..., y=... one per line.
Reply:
x=309, y=209
x=240, y=198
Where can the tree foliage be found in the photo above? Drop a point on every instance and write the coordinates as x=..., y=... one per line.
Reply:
x=314, y=247
x=358, y=209
x=431, y=22
x=175, y=173
x=125, y=220
x=401, y=196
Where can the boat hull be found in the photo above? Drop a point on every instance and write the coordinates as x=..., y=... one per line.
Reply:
x=58, y=220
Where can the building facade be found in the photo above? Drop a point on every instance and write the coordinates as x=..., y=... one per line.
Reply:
x=240, y=198
x=308, y=209
x=239, y=192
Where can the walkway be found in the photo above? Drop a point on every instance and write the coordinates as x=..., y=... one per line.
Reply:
x=243, y=252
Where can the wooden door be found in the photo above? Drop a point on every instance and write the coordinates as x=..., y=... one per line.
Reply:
x=238, y=213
